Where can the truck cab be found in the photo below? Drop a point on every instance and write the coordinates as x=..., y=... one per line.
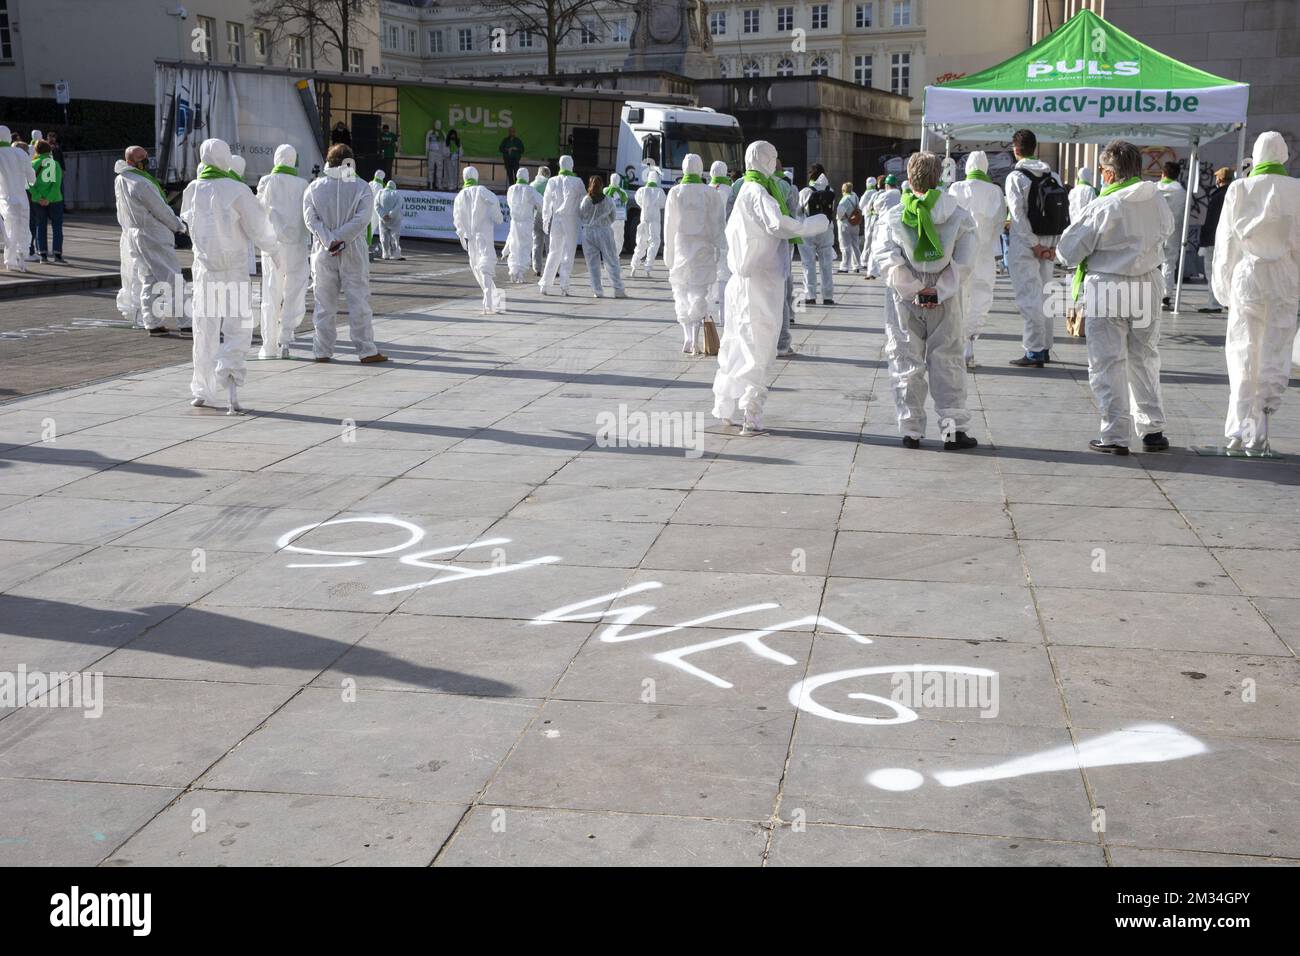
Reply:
x=665, y=134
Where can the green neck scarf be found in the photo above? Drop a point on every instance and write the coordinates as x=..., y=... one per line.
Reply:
x=1082, y=271
x=773, y=190
x=471, y=182
x=1262, y=169
x=6, y=144
x=916, y=215
x=691, y=178
x=521, y=180
x=208, y=172
x=1166, y=181
x=978, y=174
x=719, y=181
x=619, y=191
x=567, y=172
x=287, y=170
x=149, y=176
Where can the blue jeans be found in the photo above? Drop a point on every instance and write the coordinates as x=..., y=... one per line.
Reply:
x=52, y=214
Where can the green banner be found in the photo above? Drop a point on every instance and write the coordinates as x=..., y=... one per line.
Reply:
x=482, y=119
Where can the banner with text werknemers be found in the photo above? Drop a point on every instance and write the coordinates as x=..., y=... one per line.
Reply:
x=427, y=215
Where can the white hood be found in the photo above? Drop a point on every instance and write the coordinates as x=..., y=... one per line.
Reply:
x=5, y=135
x=615, y=180
x=977, y=161
x=692, y=164
x=1270, y=148
x=215, y=152
x=471, y=172
x=286, y=155
x=521, y=175
x=1085, y=175
x=237, y=166
x=119, y=167
x=821, y=182
x=719, y=168
x=871, y=182
x=566, y=162
x=760, y=156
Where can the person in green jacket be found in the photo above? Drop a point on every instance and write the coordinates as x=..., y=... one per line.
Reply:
x=47, y=201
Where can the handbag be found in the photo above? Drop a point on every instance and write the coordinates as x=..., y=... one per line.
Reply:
x=855, y=218
x=709, y=332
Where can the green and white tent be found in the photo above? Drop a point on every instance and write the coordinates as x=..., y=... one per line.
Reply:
x=1088, y=82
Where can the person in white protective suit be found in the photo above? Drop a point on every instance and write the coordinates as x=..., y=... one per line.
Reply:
x=148, y=246
x=1257, y=275
x=722, y=184
x=435, y=153
x=372, y=235
x=1083, y=193
x=1175, y=197
x=883, y=200
x=693, y=234
x=817, y=253
x=390, y=207
x=1117, y=243
x=925, y=252
x=224, y=216
x=523, y=202
x=596, y=213
x=978, y=195
x=850, y=251
x=337, y=208
x=758, y=234
x=284, y=292
x=560, y=204
x=949, y=175
x=651, y=199
x=237, y=167
x=1029, y=256
x=616, y=192
x=539, y=233
x=16, y=174
x=476, y=214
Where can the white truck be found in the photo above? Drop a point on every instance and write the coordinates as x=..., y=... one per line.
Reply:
x=665, y=134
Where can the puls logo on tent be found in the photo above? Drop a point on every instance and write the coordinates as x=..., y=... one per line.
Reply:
x=481, y=116
x=1041, y=68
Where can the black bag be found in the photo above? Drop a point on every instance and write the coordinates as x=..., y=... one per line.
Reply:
x=821, y=201
x=1048, y=206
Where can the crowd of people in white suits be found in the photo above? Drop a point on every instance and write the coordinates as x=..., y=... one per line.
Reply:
x=728, y=248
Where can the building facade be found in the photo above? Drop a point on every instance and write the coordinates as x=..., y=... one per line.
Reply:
x=106, y=51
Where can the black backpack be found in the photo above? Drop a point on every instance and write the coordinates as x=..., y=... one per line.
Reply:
x=822, y=201
x=1048, y=206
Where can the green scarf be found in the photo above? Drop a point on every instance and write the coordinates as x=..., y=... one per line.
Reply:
x=287, y=170
x=619, y=191
x=470, y=182
x=916, y=215
x=207, y=172
x=719, y=181
x=1166, y=181
x=1082, y=271
x=978, y=174
x=521, y=180
x=6, y=144
x=567, y=172
x=149, y=176
x=1276, y=169
x=773, y=190
x=691, y=178
x=540, y=186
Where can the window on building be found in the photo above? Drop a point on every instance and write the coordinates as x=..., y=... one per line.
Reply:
x=862, y=16
x=297, y=53
x=751, y=70
x=235, y=42
x=785, y=67
x=412, y=42
x=821, y=16
x=717, y=23
x=620, y=31
x=589, y=36
x=465, y=40
x=722, y=69
x=751, y=21
x=390, y=36
x=900, y=74
x=207, y=38
x=862, y=70
x=6, y=35
x=820, y=66
x=902, y=13
x=355, y=62
x=435, y=41
x=784, y=19
x=261, y=45
x=525, y=40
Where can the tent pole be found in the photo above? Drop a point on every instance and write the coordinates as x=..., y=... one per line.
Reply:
x=1193, y=178
x=1241, y=151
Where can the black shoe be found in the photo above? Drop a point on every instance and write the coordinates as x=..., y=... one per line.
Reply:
x=1026, y=362
x=1098, y=445
x=1166, y=305
x=828, y=301
x=959, y=441
x=809, y=301
x=1047, y=356
x=1156, y=441
x=1210, y=311
x=158, y=332
x=60, y=260
x=911, y=442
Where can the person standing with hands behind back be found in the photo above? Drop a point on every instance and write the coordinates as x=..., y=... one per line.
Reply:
x=1040, y=212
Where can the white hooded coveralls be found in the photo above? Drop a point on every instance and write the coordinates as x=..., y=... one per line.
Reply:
x=1257, y=275
x=390, y=206
x=16, y=174
x=985, y=202
x=651, y=200
x=149, y=230
x=475, y=214
x=523, y=202
x=717, y=302
x=337, y=207
x=817, y=253
x=619, y=224
x=1123, y=237
x=284, y=291
x=1175, y=197
x=1083, y=193
x=539, y=233
x=434, y=153
x=1029, y=274
x=693, y=236
x=224, y=217
x=925, y=345
x=597, y=220
x=883, y=200
x=850, y=250
x=757, y=254
x=564, y=194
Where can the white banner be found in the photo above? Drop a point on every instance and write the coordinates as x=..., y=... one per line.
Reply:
x=427, y=215
x=1086, y=106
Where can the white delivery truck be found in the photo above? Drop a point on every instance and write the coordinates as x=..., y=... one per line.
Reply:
x=665, y=134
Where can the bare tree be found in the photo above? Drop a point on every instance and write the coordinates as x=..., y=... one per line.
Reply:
x=328, y=23
x=555, y=20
